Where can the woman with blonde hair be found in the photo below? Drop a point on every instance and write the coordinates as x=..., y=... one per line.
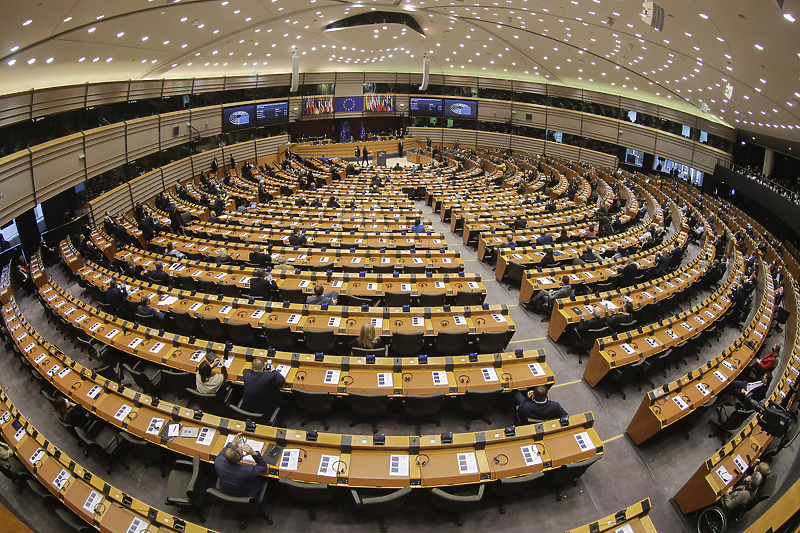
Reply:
x=367, y=338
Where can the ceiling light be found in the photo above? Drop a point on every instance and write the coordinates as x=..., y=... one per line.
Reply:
x=81, y=60
x=145, y=38
x=703, y=15
x=14, y=48
x=49, y=60
x=789, y=17
x=67, y=19
x=31, y=61
x=11, y=63
x=166, y=42
x=110, y=58
x=90, y=30
x=184, y=19
x=27, y=22
x=120, y=34
x=759, y=47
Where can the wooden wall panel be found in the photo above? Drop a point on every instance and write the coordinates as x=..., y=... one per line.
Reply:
x=15, y=108
x=105, y=149
x=145, y=89
x=490, y=138
x=314, y=78
x=174, y=172
x=637, y=137
x=674, y=148
x=527, y=144
x=598, y=158
x=494, y=110
x=241, y=152
x=177, y=87
x=538, y=115
x=240, y=82
x=106, y=93
x=16, y=184
x=58, y=165
x=170, y=121
x=564, y=121
x=202, y=161
x=114, y=201
x=147, y=185
x=58, y=100
x=562, y=150
x=380, y=77
x=600, y=128
x=208, y=85
x=206, y=120
x=270, y=145
x=142, y=135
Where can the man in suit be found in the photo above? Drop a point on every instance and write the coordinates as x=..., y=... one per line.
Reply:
x=536, y=405
x=115, y=297
x=262, y=390
x=132, y=270
x=159, y=276
x=320, y=297
x=755, y=390
x=519, y=223
x=300, y=201
x=259, y=258
x=546, y=297
x=333, y=203
x=623, y=317
x=262, y=287
x=588, y=256
x=545, y=239
x=628, y=273
x=145, y=309
x=596, y=322
x=214, y=166
x=315, y=203
x=297, y=238
x=237, y=479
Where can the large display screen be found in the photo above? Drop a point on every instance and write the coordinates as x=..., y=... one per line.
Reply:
x=425, y=106
x=460, y=108
x=238, y=118
x=272, y=112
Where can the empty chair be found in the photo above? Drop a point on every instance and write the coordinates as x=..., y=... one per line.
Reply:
x=242, y=334
x=397, y=299
x=315, y=403
x=619, y=376
x=106, y=443
x=279, y=337
x=378, y=502
x=431, y=300
x=295, y=296
x=243, y=506
x=513, y=486
x=453, y=269
x=364, y=352
x=729, y=418
x=493, y=341
x=570, y=473
x=310, y=493
x=469, y=298
x=215, y=404
x=407, y=344
x=585, y=340
x=154, y=454
x=452, y=343
x=456, y=500
x=368, y=407
x=323, y=341
x=238, y=413
x=515, y=273
x=414, y=269
x=355, y=301
x=146, y=376
x=149, y=321
x=179, y=381
x=227, y=289
x=212, y=329
x=383, y=269
x=476, y=402
x=185, y=324
x=422, y=407
x=186, y=486
x=71, y=520
x=187, y=283
x=207, y=286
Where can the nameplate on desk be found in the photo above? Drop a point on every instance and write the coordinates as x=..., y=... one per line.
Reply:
x=64, y=372
x=536, y=369
x=728, y=365
x=658, y=289
x=446, y=260
x=122, y=412
x=80, y=319
x=294, y=319
x=467, y=464
x=334, y=321
x=358, y=241
x=724, y=475
x=498, y=317
x=584, y=441
x=385, y=379
x=155, y=426
x=717, y=307
x=417, y=321
x=324, y=259
x=385, y=260
x=439, y=377
x=225, y=310
x=720, y=376
x=111, y=334
x=53, y=370
x=740, y=463
x=135, y=342
x=96, y=326
x=682, y=405
x=531, y=455
x=489, y=374
x=473, y=285
x=628, y=349
x=148, y=262
x=92, y=501
x=36, y=457
x=377, y=322
x=671, y=334
x=760, y=335
x=332, y=376
x=703, y=389
x=156, y=347
x=206, y=436
x=61, y=479
x=59, y=304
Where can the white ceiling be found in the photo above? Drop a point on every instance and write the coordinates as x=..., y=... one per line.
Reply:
x=705, y=44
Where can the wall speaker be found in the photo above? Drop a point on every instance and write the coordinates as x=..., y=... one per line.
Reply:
x=426, y=67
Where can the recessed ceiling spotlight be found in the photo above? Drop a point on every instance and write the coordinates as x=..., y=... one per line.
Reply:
x=759, y=47
x=120, y=34
x=91, y=30
x=12, y=62
x=789, y=17
x=703, y=15
x=49, y=60
x=27, y=22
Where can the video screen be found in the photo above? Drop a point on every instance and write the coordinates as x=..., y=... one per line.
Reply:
x=272, y=112
x=425, y=106
x=460, y=108
x=238, y=118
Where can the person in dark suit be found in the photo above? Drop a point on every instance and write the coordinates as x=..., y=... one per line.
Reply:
x=628, y=273
x=297, y=238
x=300, y=202
x=624, y=317
x=237, y=479
x=262, y=390
x=333, y=203
x=546, y=297
x=261, y=286
x=755, y=390
x=214, y=166
x=176, y=221
x=365, y=156
x=545, y=239
x=536, y=405
x=519, y=223
x=233, y=163
x=315, y=203
x=115, y=297
x=259, y=258
x=321, y=297
x=145, y=309
x=159, y=276
x=588, y=256
x=596, y=322
x=132, y=270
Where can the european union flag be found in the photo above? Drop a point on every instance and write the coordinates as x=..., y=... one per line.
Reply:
x=363, y=132
x=346, y=104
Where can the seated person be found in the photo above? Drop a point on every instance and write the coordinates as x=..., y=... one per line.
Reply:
x=206, y=381
x=545, y=239
x=590, y=232
x=261, y=286
x=537, y=406
x=765, y=364
x=563, y=238
x=297, y=238
x=588, y=255
x=315, y=203
x=596, y=322
x=366, y=338
x=223, y=258
x=545, y=297
x=519, y=223
x=144, y=309
x=262, y=390
x=259, y=258
x=755, y=390
x=132, y=270
x=300, y=202
x=333, y=203
x=623, y=317
x=71, y=413
x=320, y=297
x=418, y=227
x=548, y=259
x=280, y=264
x=628, y=273
x=744, y=492
x=115, y=297
x=237, y=479
x=159, y=276
x=173, y=252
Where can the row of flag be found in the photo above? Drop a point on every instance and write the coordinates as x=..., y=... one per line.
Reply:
x=379, y=102
x=317, y=105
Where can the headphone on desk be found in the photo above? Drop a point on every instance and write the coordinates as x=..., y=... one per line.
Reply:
x=422, y=462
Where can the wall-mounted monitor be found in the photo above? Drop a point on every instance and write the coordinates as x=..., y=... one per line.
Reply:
x=238, y=118
x=425, y=106
x=272, y=112
x=460, y=108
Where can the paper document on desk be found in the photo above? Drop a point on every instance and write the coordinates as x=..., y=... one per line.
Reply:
x=489, y=374
x=334, y=321
x=584, y=441
x=289, y=459
x=328, y=466
x=608, y=305
x=720, y=376
x=467, y=463
x=61, y=479
x=536, y=369
x=385, y=379
x=439, y=377
x=123, y=411
x=92, y=501
x=724, y=475
x=624, y=529
x=206, y=436
x=332, y=376
x=137, y=526
x=155, y=426
x=168, y=300
x=304, y=283
x=256, y=445
x=531, y=455
x=283, y=370
x=398, y=465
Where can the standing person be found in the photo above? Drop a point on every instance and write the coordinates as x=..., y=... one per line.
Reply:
x=400, y=147
x=358, y=153
x=176, y=220
x=365, y=153
x=233, y=163
x=214, y=166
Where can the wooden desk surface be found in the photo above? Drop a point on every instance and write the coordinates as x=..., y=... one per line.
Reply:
x=466, y=460
x=633, y=519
